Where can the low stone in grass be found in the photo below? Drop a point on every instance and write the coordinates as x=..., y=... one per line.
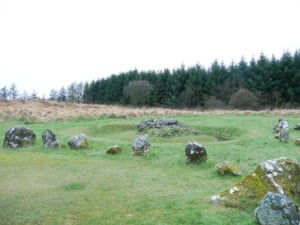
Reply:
x=277, y=209
x=78, y=142
x=297, y=142
x=50, y=140
x=18, y=137
x=297, y=127
x=227, y=168
x=114, y=150
x=195, y=152
x=140, y=147
x=279, y=175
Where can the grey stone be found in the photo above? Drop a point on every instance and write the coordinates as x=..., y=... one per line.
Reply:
x=78, y=142
x=165, y=128
x=50, y=140
x=277, y=209
x=276, y=129
x=140, y=147
x=195, y=152
x=157, y=124
x=284, y=135
x=297, y=127
x=282, y=130
x=19, y=136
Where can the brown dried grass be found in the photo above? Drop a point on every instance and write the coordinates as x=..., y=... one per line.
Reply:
x=43, y=111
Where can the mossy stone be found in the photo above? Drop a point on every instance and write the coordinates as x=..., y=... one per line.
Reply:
x=277, y=175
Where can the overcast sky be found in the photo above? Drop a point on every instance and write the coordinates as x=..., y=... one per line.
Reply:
x=47, y=44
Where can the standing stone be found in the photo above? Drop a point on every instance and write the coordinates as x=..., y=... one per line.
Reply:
x=277, y=209
x=18, y=137
x=78, y=142
x=50, y=140
x=284, y=135
x=195, y=152
x=283, y=130
x=140, y=147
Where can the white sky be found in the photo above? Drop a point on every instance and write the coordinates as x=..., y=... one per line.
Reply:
x=47, y=44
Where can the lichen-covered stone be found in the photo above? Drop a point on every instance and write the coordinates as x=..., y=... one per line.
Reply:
x=18, y=137
x=227, y=168
x=195, y=152
x=50, y=140
x=277, y=209
x=140, y=147
x=114, y=150
x=279, y=175
x=297, y=142
x=78, y=142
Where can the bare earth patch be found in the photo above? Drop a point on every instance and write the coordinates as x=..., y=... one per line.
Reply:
x=44, y=111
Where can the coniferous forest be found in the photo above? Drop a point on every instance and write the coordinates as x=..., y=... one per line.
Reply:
x=261, y=83
x=258, y=84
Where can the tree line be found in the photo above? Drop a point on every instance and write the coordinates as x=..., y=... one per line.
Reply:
x=260, y=83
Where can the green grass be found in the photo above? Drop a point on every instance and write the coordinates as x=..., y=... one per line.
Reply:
x=44, y=186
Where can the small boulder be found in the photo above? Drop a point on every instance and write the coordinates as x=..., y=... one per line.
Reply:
x=50, y=140
x=277, y=209
x=140, y=147
x=276, y=129
x=114, y=150
x=297, y=127
x=297, y=142
x=227, y=168
x=18, y=137
x=78, y=142
x=195, y=152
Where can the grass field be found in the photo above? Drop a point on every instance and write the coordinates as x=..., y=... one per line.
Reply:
x=42, y=186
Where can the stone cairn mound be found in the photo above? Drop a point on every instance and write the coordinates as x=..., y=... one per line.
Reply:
x=227, y=168
x=114, y=150
x=277, y=209
x=140, y=147
x=50, y=140
x=279, y=175
x=78, y=142
x=18, y=137
x=195, y=152
x=165, y=127
x=282, y=130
